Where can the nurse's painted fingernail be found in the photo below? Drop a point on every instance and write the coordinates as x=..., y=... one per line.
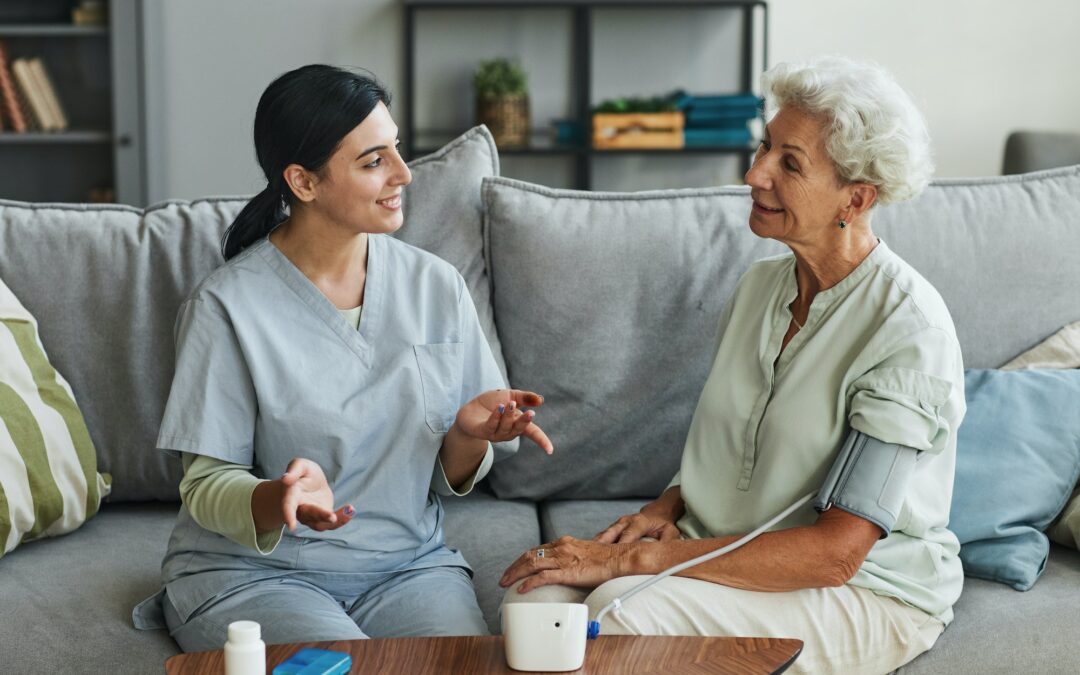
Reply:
x=349, y=510
x=502, y=408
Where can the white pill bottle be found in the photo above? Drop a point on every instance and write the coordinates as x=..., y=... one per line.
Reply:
x=245, y=652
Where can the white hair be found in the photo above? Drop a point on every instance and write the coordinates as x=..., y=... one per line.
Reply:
x=875, y=133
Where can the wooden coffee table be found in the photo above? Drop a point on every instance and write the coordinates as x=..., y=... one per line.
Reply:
x=620, y=654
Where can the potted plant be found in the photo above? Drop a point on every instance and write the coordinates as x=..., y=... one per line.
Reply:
x=502, y=101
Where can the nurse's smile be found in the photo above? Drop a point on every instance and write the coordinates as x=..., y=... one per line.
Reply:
x=391, y=203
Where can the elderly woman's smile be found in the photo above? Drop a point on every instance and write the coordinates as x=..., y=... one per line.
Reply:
x=759, y=207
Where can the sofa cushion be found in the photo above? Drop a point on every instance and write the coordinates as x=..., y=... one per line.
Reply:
x=1004, y=252
x=104, y=283
x=444, y=215
x=1017, y=460
x=583, y=518
x=999, y=630
x=67, y=601
x=607, y=304
x=490, y=533
x=49, y=484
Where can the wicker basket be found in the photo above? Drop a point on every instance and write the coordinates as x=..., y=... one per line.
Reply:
x=507, y=117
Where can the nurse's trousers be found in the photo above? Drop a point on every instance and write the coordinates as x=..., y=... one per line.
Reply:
x=436, y=601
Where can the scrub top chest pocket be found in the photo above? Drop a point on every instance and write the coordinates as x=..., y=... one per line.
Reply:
x=440, y=376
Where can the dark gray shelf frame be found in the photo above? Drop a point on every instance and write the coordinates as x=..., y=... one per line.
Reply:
x=582, y=77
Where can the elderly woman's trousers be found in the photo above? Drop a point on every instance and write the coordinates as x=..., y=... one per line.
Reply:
x=844, y=630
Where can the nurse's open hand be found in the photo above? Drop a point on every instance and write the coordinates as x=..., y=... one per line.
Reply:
x=307, y=498
x=497, y=416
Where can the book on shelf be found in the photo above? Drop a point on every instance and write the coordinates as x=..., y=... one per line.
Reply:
x=45, y=83
x=720, y=118
x=694, y=138
x=32, y=93
x=9, y=95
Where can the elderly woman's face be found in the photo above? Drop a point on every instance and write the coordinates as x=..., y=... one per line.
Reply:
x=797, y=194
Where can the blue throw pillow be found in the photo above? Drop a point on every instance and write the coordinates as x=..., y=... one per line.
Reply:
x=1017, y=461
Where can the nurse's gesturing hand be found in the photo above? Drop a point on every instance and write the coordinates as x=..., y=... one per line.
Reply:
x=307, y=498
x=497, y=416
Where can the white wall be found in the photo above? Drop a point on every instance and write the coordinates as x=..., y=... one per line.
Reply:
x=979, y=68
x=208, y=62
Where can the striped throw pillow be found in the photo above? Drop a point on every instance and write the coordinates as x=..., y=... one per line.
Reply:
x=49, y=484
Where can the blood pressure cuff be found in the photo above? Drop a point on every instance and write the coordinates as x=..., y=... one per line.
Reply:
x=869, y=479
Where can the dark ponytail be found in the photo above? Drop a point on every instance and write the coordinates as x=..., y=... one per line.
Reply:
x=301, y=118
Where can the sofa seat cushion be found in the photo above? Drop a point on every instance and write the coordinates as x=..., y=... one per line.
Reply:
x=67, y=601
x=490, y=533
x=583, y=518
x=999, y=630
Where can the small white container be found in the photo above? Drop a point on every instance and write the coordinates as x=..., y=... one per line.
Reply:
x=545, y=636
x=245, y=652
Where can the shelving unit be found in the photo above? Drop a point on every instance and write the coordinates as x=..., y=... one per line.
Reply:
x=97, y=76
x=417, y=141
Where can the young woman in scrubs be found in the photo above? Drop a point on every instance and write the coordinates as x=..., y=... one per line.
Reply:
x=330, y=383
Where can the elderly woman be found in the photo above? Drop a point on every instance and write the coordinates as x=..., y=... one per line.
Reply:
x=838, y=339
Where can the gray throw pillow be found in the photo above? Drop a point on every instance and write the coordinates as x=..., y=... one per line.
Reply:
x=105, y=284
x=608, y=304
x=444, y=215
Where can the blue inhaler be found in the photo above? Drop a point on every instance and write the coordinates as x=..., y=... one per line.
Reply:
x=313, y=661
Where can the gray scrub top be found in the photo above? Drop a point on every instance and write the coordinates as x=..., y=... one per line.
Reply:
x=267, y=369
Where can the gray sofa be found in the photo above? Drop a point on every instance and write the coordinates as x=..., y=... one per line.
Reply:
x=105, y=283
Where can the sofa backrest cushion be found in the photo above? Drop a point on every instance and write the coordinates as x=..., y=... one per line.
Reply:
x=105, y=284
x=607, y=304
x=1004, y=252
x=444, y=215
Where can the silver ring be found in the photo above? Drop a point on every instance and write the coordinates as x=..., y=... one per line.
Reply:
x=539, y=553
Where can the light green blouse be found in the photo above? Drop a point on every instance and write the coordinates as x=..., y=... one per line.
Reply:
x=878, y=353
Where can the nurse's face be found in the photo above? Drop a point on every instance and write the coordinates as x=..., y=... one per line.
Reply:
x=360, y=186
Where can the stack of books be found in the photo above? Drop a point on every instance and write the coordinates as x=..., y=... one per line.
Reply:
x=719, y=120
x=28, y=100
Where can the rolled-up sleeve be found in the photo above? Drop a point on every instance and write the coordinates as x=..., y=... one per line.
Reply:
x=902, y=399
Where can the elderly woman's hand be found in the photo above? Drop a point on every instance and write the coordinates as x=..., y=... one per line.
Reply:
x=633, y=527
x=568, y=561
x=656, y=519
